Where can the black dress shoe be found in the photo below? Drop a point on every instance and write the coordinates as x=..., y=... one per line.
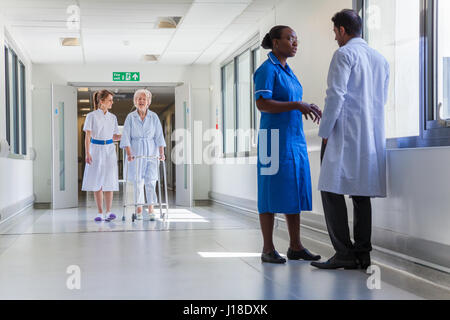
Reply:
x=273, y=257
x=335, y=263
x=302, y=255
x=363, y=260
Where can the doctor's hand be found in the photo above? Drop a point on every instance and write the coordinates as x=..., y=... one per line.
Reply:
x=310, y=110
x=88, y=158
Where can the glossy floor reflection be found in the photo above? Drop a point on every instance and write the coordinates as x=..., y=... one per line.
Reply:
x=198, y=253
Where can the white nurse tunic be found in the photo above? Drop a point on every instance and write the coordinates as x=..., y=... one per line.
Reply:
x=102, y=173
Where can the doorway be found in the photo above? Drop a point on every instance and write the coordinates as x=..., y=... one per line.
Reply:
x=163, y=104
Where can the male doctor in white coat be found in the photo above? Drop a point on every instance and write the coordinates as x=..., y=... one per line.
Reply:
x=354, y=146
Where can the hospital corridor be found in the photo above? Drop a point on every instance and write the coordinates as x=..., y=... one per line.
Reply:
x=209, y=150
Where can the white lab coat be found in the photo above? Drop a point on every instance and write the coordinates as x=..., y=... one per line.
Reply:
x=102, y=173
x=354, y=162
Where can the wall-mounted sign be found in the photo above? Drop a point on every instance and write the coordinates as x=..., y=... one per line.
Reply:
x=126, y=76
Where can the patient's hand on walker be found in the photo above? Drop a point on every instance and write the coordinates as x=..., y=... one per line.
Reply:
x=162, y=157
x=116, y=137
x=130, y=157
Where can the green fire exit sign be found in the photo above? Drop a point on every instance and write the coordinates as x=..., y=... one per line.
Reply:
x=126, y=76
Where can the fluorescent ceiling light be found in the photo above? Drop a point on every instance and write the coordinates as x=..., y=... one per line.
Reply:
x=83, y=89
x=85, y=109
x=83, y=101
x=70, y=42
x=168, y=22
x=150, y=57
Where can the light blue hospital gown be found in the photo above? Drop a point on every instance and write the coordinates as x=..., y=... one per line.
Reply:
x=287, y=191
x=144, y=138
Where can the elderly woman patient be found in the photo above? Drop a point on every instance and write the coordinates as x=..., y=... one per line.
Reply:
x=143, y=136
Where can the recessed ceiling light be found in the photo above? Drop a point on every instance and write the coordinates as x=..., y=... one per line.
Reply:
x=70, y=42
x=83, y=89
x=168, y=22
x=151, y=57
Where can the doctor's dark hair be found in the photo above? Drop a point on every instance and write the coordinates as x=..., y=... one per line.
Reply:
x=350, y=20
x=100, y=95
x=274, y=33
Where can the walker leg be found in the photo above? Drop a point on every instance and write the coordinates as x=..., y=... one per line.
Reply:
x=124, y=202
x=159, y=189
x=166, y=216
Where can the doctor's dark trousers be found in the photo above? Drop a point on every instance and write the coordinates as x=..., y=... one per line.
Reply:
x=336, y=219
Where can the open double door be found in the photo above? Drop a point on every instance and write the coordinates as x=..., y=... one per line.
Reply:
x=65, y=150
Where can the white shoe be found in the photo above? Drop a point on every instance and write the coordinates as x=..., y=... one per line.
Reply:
x=152, y=216
x=139, y=216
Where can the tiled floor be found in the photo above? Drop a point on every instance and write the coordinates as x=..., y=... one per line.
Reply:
x=198, y=253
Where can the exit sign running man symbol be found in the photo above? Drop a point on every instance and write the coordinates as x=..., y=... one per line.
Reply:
x=126, y=76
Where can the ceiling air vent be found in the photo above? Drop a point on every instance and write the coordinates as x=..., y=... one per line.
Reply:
x=150, y=57
x=70, y=42
x=168, y=22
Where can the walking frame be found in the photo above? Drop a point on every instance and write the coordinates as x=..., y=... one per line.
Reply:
x=163, y=215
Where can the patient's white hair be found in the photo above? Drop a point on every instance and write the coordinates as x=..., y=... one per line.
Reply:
x=147, y=93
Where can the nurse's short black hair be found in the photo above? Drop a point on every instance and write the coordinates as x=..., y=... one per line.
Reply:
x=274, y=33
x=350, y=20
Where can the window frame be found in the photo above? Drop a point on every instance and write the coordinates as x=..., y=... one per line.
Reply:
x=432, y=132
x=15, y=103
x=251, y=46
x=23, y=106
x=7, y=96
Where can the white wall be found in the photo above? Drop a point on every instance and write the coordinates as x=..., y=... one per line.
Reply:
x=44, y=75
x=418, y=179
x=16, y=175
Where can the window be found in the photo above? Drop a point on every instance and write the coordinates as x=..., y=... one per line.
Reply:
x=443, y=59
x=256, y=114
x=15, y=98
x=244, y=102
x=413, y=36
x=393, y=28
x=240, y=116
x=229, y=122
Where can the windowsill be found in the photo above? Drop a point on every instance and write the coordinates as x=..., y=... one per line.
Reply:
x=416, y=148
x=17, y=156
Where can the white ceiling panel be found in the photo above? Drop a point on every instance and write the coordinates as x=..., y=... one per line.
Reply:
x=179, y=58
x=47, y=48
x=192, y=40
x=213, y=15
x=211, y=53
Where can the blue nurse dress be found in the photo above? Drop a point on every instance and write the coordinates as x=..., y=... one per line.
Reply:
x=288, y=190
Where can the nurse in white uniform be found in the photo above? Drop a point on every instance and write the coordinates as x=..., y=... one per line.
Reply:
x=143, y=136
x=100, y=173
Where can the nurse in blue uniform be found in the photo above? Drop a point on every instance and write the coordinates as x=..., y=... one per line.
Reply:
x=284, y=181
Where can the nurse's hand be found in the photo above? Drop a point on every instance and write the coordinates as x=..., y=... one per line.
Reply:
x=130, y=157
x=310, y=110
x=88, y=158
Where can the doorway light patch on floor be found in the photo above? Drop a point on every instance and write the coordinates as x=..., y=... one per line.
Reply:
x=230, y=254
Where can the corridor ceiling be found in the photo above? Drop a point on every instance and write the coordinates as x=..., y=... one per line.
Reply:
x=112, y=31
